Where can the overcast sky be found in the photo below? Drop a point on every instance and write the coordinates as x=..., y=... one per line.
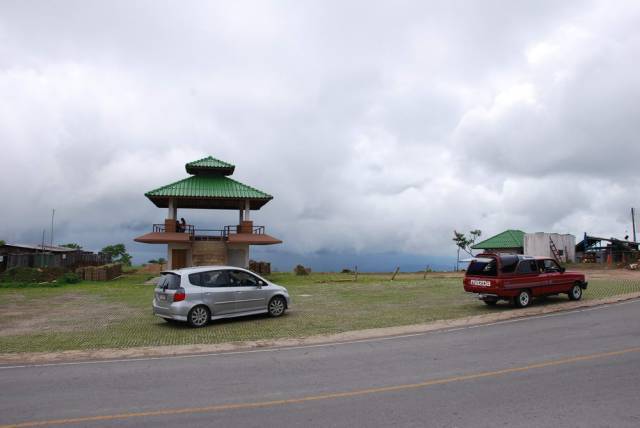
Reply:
x=379, y=127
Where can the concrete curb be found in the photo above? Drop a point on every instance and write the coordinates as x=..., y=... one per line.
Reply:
x=160, y=351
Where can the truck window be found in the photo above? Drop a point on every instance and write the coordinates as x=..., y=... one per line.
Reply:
x=551, y=266
x=483, y=268
x=508, y=263
x=527, y=266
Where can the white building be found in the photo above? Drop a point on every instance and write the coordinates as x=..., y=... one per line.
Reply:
x=539, y=244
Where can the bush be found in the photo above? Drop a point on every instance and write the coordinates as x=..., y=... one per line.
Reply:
x=301, y=270
x=23, y=275
x=69, y=278
x=27, y=276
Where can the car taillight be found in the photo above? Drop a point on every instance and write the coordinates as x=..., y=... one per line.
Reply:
x=179, y=295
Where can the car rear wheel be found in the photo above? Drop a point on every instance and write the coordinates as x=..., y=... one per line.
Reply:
x=523, y=299
x=576, y=292
x=198, y=316
x=277, y=306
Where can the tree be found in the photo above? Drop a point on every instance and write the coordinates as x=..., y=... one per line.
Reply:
x=465, y=243
x=72, y=245
x=118, y=254
x=2, y=242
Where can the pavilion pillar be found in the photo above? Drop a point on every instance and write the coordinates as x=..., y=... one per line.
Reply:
x=247, y=210
x=173, y=210
x=245, y=225
x=170, y=221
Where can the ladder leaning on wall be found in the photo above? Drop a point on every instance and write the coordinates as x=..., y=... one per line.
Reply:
x=554, y=250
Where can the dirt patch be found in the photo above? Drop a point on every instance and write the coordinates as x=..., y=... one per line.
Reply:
x=62, y=313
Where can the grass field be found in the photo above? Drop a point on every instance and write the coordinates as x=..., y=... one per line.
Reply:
x=117, y=314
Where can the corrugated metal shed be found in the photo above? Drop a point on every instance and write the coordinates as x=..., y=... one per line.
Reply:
x=507, y=239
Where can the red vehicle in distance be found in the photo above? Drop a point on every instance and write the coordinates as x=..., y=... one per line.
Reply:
x=519, y=279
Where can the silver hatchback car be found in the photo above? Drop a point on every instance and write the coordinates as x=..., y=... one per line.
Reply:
x=200, y=294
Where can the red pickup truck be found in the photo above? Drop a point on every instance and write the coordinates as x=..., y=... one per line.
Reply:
x=518, y=279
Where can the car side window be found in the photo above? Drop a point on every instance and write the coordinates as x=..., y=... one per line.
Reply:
x=194, y=278
x=239, y=278
x=551, y=266
x=214, y=278
x=527, y=266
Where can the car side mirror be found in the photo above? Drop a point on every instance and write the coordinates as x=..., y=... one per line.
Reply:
x=562, y=270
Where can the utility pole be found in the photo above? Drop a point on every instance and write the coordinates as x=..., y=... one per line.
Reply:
x=53, y=213
x=633, y=223
x=41, y=264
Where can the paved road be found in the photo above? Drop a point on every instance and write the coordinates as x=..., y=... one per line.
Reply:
x=572, y=369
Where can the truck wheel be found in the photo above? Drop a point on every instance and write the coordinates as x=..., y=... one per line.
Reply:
x=523, y=299
x=576, y=292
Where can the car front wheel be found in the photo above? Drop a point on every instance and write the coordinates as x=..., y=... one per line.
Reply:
x=277, y=306
x=198, y=316
x=523, y=299
x=575, y=293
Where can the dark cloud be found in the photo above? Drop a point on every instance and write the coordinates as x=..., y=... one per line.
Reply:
x=377, y=126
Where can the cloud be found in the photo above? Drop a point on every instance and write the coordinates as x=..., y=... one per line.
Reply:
x=378, y=127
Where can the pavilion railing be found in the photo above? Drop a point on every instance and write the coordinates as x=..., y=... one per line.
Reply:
x=189, y=228
x=256, y=230
x=209, y=234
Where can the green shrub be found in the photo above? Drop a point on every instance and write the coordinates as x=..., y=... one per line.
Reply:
x=27, y=276
x=69, y=278
x=22, y=275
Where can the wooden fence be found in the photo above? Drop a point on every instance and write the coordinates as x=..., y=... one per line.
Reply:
x=71, y=260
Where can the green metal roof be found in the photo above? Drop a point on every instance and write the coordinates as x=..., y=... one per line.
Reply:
x=209, y=188
x=210, y=162
x=209, y=165
x=506, y=239
x=199, y=186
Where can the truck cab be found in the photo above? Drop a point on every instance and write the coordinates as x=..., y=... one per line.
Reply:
x=518, y=279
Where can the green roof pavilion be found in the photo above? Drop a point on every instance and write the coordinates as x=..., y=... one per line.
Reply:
x=208, y=187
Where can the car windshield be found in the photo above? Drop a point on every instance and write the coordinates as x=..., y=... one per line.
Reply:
x=169, y=280
x=482, y=267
